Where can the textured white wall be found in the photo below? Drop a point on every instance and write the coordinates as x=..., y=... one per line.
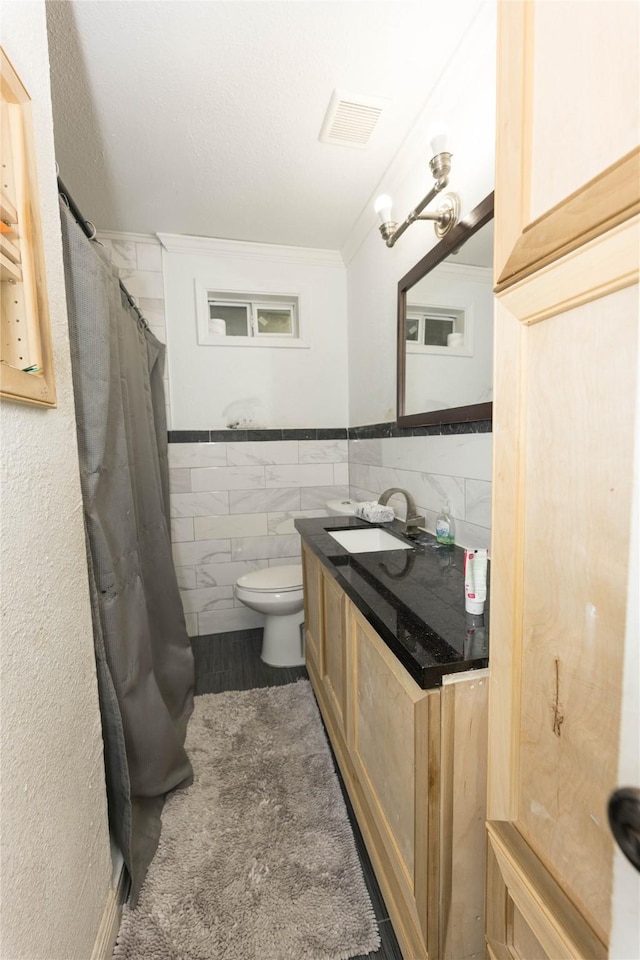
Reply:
x=463, y=99
x=56, y=864
x=269, y=387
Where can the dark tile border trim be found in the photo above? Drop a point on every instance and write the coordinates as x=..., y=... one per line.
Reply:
x=369, y=432
x=374, y=430
x=244, y=436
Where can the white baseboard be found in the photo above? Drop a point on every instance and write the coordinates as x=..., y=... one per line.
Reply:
x=110, y=923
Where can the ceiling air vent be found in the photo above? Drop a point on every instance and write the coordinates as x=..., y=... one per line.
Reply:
x=351, y=119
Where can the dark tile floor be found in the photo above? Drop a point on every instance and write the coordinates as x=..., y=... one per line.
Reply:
x=231, y=661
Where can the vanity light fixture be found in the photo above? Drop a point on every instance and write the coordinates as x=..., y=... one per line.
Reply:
x=446, y=216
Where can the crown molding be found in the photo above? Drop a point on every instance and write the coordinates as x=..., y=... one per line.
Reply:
x=461, y=271
x=130, y=237
x=247, y=250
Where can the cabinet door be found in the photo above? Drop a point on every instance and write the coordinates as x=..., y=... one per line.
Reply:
x=567, y=160
x=567, y=235
x=393, y=731
x=334, y=647
x=311, y=570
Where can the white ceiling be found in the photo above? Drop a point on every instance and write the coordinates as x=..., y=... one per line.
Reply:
x=477, y=251
x=202, y=117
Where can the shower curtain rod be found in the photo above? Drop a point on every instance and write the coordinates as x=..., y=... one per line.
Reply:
x=90, y=231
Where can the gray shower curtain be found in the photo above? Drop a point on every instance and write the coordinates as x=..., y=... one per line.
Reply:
x=143, y=655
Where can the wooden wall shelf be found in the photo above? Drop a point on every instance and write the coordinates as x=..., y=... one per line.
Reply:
x=26, y=363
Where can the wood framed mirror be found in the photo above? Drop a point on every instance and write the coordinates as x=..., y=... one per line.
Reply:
x=445, y=328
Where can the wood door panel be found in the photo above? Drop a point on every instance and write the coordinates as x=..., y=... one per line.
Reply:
x=580, y=466
x=573, y=623
x=526, y=906
x=522, y=939
x=552, y=193
x=600, y=267
x=594, y=121
x=384, y=744
x=553, y=735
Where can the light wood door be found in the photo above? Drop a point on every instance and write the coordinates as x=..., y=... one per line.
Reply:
x=567, y=245
x=313, y=626
x=334, y=653
x=567, y=162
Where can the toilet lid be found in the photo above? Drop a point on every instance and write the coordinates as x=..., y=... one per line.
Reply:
x=345, y=507
x=273, y=579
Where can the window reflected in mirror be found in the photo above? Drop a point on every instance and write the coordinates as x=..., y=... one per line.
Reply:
x=445, y=328
x=431, y=326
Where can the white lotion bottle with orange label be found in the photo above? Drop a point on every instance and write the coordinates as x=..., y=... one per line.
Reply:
x=475, y=580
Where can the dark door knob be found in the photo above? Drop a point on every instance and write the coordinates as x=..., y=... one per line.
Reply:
x=624, y=820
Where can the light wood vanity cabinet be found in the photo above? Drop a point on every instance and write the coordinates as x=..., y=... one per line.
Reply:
x=334, y=640
x=414, y=763
x=394, y=747
x=312, y=610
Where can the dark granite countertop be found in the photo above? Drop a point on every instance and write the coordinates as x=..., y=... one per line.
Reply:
x=413, y=599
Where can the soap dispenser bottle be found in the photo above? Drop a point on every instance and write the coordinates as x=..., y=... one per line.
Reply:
x=444, y=525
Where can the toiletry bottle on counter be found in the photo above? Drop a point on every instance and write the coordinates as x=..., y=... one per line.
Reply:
x=444, y=525
x=475, y=580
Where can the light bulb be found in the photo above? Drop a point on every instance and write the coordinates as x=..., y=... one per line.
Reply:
x=382, y=206
x=438, y=137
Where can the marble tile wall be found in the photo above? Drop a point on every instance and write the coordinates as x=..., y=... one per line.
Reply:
x=232, y=511
x=233, y=503
x=432, y=468
x=139, y=264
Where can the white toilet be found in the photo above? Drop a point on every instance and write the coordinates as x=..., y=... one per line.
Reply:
x=277, y=592
x=341, y=508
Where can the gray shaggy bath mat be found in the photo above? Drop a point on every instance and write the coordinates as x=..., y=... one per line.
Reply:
x=257, y=859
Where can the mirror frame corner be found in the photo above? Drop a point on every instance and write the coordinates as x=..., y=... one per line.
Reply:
x=476, y=219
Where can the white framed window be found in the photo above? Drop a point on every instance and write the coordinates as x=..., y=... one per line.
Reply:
x=447, y=331
x=233, y=318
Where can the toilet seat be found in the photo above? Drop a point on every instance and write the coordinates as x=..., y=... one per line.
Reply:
x=273, y=579
x=342, y=508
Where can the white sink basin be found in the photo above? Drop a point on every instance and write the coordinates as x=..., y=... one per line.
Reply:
x=368, y=540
